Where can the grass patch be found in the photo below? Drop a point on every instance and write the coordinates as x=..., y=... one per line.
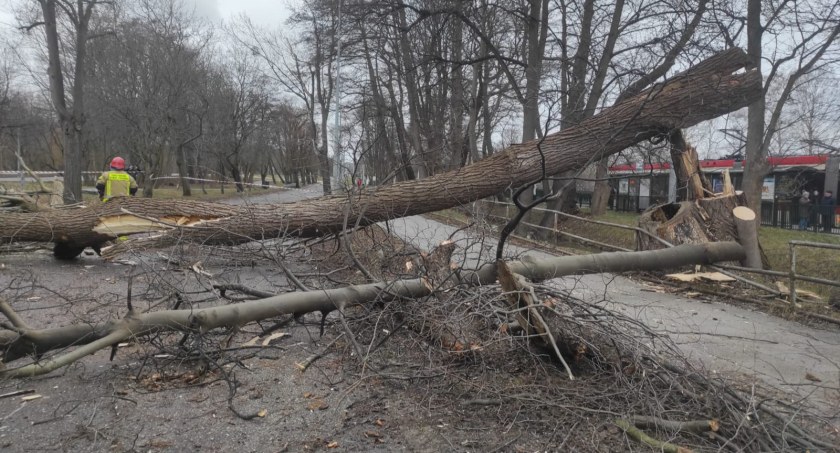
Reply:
x=813, y=262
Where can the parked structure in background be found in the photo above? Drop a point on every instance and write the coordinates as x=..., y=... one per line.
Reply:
x=637, y=187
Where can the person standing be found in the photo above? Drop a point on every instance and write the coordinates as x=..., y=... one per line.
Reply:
x=827, y=211
x=804, y=209
x=116, y=182
x=814, y=218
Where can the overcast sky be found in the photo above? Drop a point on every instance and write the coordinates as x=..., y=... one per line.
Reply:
x=269, y=13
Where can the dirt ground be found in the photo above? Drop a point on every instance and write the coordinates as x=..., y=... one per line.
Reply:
x=384, y=383
x=153, y=397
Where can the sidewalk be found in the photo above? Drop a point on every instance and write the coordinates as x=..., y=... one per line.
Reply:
x=723, y=338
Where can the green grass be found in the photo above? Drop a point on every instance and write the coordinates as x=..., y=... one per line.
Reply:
x=810, y=261
x=775, y=242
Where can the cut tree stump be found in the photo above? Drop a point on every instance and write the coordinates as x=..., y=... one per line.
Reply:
x=747, y=236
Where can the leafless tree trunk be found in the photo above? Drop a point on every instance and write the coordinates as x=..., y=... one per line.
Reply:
x=817, y=30
x=710, y=89
x=70, y=118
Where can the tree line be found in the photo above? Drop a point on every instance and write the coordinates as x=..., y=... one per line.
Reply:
x=421, y=87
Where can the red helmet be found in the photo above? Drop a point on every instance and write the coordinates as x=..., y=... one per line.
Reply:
x=118, y=163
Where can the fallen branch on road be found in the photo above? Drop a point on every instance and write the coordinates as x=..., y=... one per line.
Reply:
x=22, y=340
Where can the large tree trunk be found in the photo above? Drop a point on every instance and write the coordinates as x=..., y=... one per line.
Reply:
x=601, y=194
x=89, y=338
x=706, y=91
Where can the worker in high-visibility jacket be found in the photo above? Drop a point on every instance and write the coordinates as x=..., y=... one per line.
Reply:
x=116, y=182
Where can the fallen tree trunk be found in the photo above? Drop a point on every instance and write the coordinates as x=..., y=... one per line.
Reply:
x=706, y=91
x=24, y=340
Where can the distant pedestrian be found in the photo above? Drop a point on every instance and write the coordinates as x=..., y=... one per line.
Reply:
x=804, y=209
x=814, y=217
x=827, y=208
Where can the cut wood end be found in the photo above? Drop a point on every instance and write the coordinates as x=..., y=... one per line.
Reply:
x=428, y=284
x=710, y=276
x=744, y=213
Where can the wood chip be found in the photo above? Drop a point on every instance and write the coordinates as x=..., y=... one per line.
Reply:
x=31, y=397
x=273, y=337
x=17, y=393
x=318, y=405
x=700, y=276
x=783, y=288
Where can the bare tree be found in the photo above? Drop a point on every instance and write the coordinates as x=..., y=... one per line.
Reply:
x=303, y=65
x=69, y=106
x=150, y=97
x=815, y=108
x=296, y=157
x=644, y=116
x=813, y=28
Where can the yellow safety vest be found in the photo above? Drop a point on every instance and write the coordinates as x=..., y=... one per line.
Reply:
x=117, y=185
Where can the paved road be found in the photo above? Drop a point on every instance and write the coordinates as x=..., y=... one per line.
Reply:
x=724, y=338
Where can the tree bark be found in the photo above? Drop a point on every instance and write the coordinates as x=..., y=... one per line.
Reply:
x=745, y=224
x=690, y=222
x=89, y=338
x=710, y=87
x=71, y=119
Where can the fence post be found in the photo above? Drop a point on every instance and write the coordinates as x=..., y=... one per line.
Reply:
x=793, y=276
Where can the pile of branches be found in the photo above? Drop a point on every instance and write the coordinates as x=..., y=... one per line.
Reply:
x=627, y=378
x=531, y=351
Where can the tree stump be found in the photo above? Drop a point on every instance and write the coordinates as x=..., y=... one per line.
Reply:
x=690, y=222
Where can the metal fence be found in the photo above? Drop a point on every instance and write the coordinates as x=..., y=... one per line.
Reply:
x=791, y=275
x=785, y=214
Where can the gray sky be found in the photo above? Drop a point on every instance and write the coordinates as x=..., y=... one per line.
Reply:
x=268, y=13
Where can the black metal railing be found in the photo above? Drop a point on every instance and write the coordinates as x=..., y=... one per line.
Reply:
x=786, y=214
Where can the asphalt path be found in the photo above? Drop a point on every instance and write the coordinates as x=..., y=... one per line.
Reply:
x=728, y=340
